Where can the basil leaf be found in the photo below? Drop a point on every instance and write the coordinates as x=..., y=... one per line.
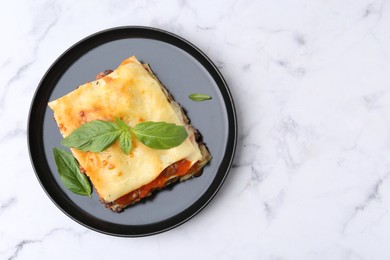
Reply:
x=70, y=173
x=160, y=135
x=125, y=141
x=94, y=136
x=124, y=137
x=199, y=97
x=121, y=124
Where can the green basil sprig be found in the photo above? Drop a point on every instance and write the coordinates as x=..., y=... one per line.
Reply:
x=70, y=173
x=97, y=135
x=199, y=97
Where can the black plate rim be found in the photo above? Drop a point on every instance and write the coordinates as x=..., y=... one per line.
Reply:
x=132, y=230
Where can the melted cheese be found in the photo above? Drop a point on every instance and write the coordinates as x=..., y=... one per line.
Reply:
x=132, y=94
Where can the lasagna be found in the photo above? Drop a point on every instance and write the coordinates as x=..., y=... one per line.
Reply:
x=134, y=94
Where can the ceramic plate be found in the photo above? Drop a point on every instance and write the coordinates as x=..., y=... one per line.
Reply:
x=183, y=69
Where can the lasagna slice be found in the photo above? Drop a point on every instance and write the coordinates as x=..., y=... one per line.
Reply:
x=134, y=94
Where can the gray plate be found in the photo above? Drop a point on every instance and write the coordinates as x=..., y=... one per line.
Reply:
x=183, y=69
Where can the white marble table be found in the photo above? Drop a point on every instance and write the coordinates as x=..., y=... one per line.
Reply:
x=311, y=84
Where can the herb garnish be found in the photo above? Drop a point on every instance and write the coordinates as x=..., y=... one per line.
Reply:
x=199, y=97
x=98, y=135
x=124, y=136
x=94, y=136
x=70, y=173
x=160, y=135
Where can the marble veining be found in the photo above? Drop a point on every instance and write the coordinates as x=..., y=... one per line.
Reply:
x=372, y=196
x=310, y=81
x=13, y=133
x=18, y=249
x=21, y=69
x=8, y=203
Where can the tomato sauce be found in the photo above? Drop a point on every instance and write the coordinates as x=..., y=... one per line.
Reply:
x=178, y=169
